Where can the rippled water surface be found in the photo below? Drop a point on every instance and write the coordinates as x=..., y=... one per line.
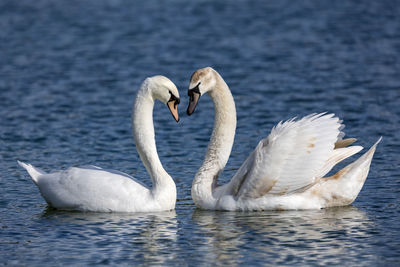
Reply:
x=69, y=71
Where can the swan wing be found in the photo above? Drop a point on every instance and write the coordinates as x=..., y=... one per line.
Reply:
x=93, y=188
x=293, y=157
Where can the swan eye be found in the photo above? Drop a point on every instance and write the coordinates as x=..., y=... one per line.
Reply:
x=174, y=98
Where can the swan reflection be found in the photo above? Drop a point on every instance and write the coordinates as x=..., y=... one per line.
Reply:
x=144, y=237
x=282, y=236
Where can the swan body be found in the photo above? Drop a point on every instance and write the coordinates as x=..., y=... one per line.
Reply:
x=95, y=189
x=286, y=170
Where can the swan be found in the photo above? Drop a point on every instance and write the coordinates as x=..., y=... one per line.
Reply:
x=286, y=170
x=95, y=189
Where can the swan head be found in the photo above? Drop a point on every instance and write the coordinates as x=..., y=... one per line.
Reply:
x=202, y=81
x=165, y=90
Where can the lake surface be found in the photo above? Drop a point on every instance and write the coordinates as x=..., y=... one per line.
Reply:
x=69, y=71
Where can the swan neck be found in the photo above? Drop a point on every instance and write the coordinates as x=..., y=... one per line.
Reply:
x=143, y=133
x=223, y=134
x=221, y=141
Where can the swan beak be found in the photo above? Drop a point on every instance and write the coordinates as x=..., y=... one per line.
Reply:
x=194, y=95
x=173, y=107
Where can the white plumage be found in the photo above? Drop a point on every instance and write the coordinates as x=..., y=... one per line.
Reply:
x=92, y=188
x=286, y=170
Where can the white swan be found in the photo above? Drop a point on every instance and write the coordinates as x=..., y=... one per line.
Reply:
x=286, y=169
x=96, y=189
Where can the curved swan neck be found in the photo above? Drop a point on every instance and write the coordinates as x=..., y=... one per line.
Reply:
x=221, y=141
x=143, y=133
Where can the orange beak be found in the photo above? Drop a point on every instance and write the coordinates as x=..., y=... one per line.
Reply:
x=173, y=107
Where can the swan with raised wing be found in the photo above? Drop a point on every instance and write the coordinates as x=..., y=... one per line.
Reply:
x=99, y=190
x=286, y=170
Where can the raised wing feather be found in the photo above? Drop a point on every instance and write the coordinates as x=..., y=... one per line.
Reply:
x=290, y=158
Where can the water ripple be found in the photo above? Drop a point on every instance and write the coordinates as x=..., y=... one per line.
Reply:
x=68, y=76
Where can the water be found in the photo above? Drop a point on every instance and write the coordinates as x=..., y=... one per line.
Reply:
x=69, y=71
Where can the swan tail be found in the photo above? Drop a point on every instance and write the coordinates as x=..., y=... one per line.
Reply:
x=35, y=173
x=364, y=162
x=352, y=177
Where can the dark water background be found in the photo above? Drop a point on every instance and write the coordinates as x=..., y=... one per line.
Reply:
x=69, y=71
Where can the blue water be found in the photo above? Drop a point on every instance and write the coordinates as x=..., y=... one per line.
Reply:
x=69, y=71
